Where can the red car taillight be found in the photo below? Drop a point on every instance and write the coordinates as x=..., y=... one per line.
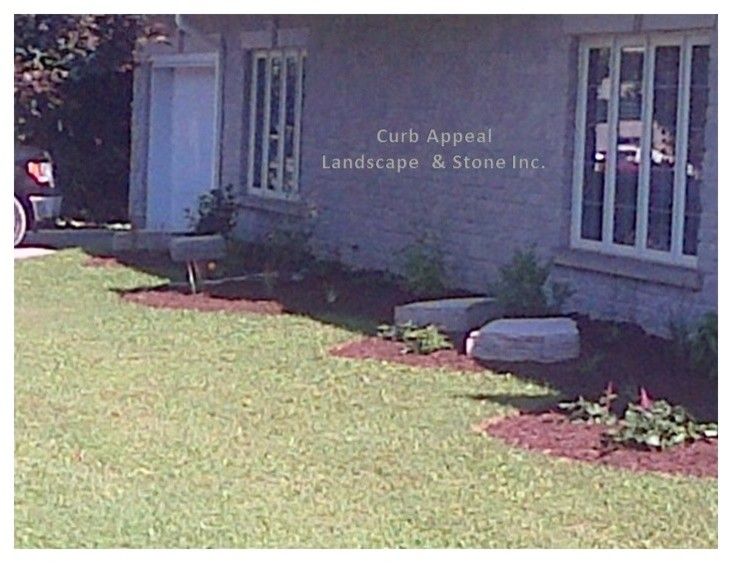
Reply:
x=41, y=172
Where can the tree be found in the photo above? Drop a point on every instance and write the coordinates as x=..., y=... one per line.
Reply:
x=73, y=90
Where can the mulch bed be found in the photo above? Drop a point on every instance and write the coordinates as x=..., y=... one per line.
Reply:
x=168, y=299
x=360, y=295
x=553, y=434
x=375, y=348
x=102, y=262
x=619, y=352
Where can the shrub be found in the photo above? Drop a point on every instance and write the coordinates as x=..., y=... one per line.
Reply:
x=424, y=271
x=658, y=425
x=587, y=411
x=695, y=346
x=216, y=213
x=704, y=356
x=288, y=248
x=522, y=288
x=419, y=340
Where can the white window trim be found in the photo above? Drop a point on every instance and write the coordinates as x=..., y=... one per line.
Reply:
x=261, y=190
x=675, y=256
x=212, y=59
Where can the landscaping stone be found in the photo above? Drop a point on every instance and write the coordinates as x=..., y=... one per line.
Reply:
x=550, y=339
x=197, y=248
x=453, y=315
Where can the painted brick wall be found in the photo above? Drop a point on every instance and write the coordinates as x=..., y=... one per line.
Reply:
x=514, y=74
x=444, y=73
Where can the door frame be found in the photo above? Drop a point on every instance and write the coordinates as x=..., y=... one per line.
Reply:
x=191, y=60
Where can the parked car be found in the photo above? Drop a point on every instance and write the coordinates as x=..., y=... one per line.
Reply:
x=37, y=198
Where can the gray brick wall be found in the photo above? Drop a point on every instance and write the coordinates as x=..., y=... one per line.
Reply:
x=515, y=74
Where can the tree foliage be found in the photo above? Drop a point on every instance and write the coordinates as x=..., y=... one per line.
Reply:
x=73, y=92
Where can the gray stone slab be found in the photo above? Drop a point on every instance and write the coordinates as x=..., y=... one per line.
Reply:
x=197, y=247
x=454, y=315
x=550, y=339
x=141, y=240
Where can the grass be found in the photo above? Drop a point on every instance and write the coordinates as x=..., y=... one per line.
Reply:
x=137, y=427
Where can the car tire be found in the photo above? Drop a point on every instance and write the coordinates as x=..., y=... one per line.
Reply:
x=21, y=222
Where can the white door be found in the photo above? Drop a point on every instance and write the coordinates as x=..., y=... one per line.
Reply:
x=183, y=134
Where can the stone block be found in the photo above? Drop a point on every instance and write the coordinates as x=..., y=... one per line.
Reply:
x=197, y=248
x=452, y=315
x=526, y=340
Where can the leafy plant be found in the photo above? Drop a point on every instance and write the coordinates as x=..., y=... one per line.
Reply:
x=583, y=410
x=419, y=340
x=658, y=425
x=648, y=424
x=331, y=294
x=704, y=355
x=288, y=248
x=695, y=346
x=216, y=213
x=591, y=365
x=523, y=290
x=424, y=271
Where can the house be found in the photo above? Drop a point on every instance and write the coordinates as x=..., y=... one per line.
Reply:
x=521, y=111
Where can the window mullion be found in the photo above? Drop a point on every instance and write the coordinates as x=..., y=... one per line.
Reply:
x=609, y=196
x=281, y=129
x=266, y=125
x=298, y=118
x=579, y=144
x=252, y=120
x=645, y=148
x=682, y=130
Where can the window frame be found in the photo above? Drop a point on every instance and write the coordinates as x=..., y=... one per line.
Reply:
x=649, y=41
x=268, y=54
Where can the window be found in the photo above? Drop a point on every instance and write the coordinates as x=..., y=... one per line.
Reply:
x=275, y=122
x=641, y=116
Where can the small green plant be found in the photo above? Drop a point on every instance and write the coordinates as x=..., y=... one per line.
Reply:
x=288, y=248
x=648, y=424
x=523, y=290
x=419, y=340
x=658, y=425
x=331, y=294
x=704, y=355
x=424, y=271
x=217, y=212
x=582, y=410
x=591, y=365
x=695, y=346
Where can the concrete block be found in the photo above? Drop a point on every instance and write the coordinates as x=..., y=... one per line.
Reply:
x=197, y=247
x=453, y=315
x=532, y=339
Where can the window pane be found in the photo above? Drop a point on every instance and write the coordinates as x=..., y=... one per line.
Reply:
x=663, y=147
x=274, y=122
x=699, y=96
x=596, y=142
x=630, y=126
x=258, y=120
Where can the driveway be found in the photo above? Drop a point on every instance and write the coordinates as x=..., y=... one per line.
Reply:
x=31, y=252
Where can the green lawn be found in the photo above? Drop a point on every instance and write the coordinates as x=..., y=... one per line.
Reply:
x=152, y=428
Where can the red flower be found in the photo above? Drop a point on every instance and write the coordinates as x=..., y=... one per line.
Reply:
x=645, y=400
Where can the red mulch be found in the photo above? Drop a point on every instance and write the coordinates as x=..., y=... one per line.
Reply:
x=391, y=351
x=553, y=434
x=102, y=262
x=168, y=299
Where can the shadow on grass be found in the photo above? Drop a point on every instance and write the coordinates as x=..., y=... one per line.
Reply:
x=523, y=402
x=621, y=353
x=359, y=301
